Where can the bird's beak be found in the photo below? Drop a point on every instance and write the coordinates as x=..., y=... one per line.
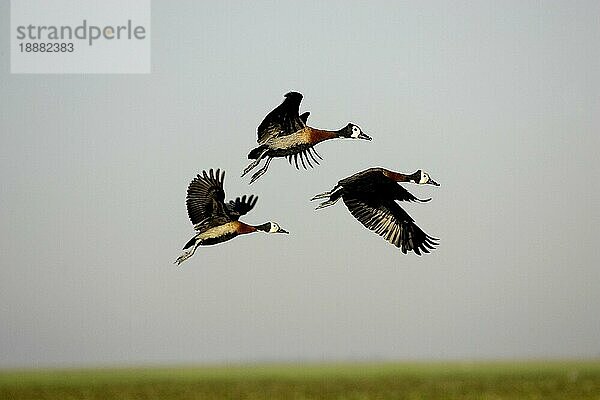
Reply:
x=432, y=182
x=363, y=136
x=282, y=231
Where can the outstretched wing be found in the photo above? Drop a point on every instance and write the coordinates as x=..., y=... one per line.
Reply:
x=390, y=221
x=240, y=206
x=205, y=200
x=283, y=120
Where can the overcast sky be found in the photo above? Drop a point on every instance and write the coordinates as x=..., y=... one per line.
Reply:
x=498, y=101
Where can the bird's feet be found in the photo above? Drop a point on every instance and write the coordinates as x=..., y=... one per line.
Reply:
x=261, y=171
x=250, y=166
x=321, y=195
x=326, y=204
x=184, y=256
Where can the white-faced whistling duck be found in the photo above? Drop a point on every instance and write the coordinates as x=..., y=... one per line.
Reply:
x=284, y=133
x=371, y=197
x=215, y=220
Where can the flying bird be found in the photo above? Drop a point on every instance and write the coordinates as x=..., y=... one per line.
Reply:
x=214, y=220
x=284, y=133
x=371, y=196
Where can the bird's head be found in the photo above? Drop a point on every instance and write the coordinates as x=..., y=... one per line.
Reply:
x=352, y=131
x=422, y=178
x=271, y=227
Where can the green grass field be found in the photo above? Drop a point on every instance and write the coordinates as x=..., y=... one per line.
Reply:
x=492, y=380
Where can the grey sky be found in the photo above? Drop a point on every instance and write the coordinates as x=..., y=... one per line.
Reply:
x=498, y=101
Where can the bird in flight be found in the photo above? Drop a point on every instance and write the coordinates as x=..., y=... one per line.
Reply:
x=371, y=197
x=214, y=220
x=284, y=133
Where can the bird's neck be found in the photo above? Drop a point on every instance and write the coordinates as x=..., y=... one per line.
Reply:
x=319, y=135
x=245, y=228
x=400, y=177
x=266, y=227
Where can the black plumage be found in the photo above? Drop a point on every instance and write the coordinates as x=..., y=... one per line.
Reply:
x=206, y=202
x=283, y=120
x=371, y=197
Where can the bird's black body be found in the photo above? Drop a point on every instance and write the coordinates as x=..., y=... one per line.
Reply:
x=284, y=133
x=371, y=197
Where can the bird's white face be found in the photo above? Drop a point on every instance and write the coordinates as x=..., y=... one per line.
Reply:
x=355, y=132
x=274, y=227
x=424, y=177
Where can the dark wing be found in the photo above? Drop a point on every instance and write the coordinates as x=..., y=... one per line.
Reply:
x=404, y=195
x=368, y=181
x=241, y=206
x=283, y=120
x=304, y=117
x=205, y=200
x=390, y=221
